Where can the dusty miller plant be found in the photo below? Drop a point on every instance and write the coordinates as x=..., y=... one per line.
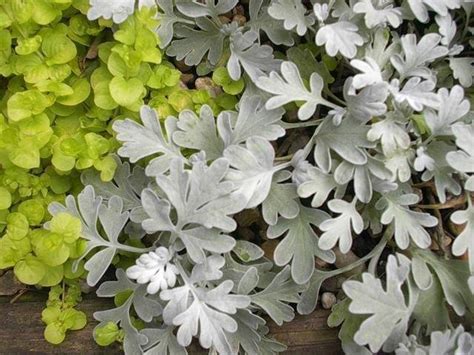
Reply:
x=399, y=120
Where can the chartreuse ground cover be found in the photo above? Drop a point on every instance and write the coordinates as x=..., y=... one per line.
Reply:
x=136, y=138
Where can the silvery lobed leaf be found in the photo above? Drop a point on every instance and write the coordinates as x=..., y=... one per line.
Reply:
x=367, y=103
x=321, y=11
x=349, y=324
x=453, y=275
x=255, y=59
x=247, y=276
x=370, y=74
x=311, y=180
x=205, y=314
x=199, y=199
x=89, y=209
x=457, y=340
x=446, y=28
x=118, y=10
x=420, y=8
x=201, y=196
x=464, y=242
x=253, y=120
x=408, y=224
x=212, y=8
x=463, y=160
x=260, y=20
x=440, y=170
x=307, y=64
x=463, y=70
x=293, y=14
x=300, y=244
x=199, y=132
x=145, y=308
x=232, y=128
x=416, y=93
x=310, y=295
x=251, y=335
x=162, y=341
x=339, y=229
x=454, y=107
x=391, y=132
x=289, y=87
x=167, y=19
x=247, y=335
x=348, y=140
x=126, y=184
x=399, y=163
x=362, y=176
x=417, y=55
x=193, y=44
x=380, y=15
x=339, y=37
x=450, y=341
x=281, y=200
x=273, y=299
x=155, y=269
x=251, y=169
x=140, y=141
x=387, y=308
x=381, y=48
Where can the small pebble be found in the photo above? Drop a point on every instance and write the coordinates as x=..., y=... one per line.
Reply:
x=328, y=299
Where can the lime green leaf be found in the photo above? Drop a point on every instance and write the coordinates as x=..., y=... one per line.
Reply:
x=17, y=226
x=70, y=272
x=81, y=91
x=25, y=157
x=50, y=314
x=58, y=48
x=107, y=167
x=27, y=103
x=33, y=210
x=67, y=226
x=30, y=270
x=103, y=98
x=73, y=319
x=221, y=77
x=13, y=250
x=28, y=45
x=106, y=334
x=54, y=333
x=44, y=12
x=96, y=145
x=52, y=276
x=5, y=198
x=77, y=249
x=181, y=100
x=126, y=92
x=51, y=249
x=164, y=76
x=117, y=65
x=61, y=161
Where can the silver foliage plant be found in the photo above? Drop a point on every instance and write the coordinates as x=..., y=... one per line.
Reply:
x=403, y=118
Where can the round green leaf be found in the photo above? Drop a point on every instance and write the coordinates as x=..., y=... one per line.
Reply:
x=52, y=276
x=51, y=249
x=81, y=92
x=5, y=198
x=106, y=334
x=30, y=270
x=54, y=333
x=126, y=92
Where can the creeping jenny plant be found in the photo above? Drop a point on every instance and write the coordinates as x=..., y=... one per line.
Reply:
x=377, y=95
